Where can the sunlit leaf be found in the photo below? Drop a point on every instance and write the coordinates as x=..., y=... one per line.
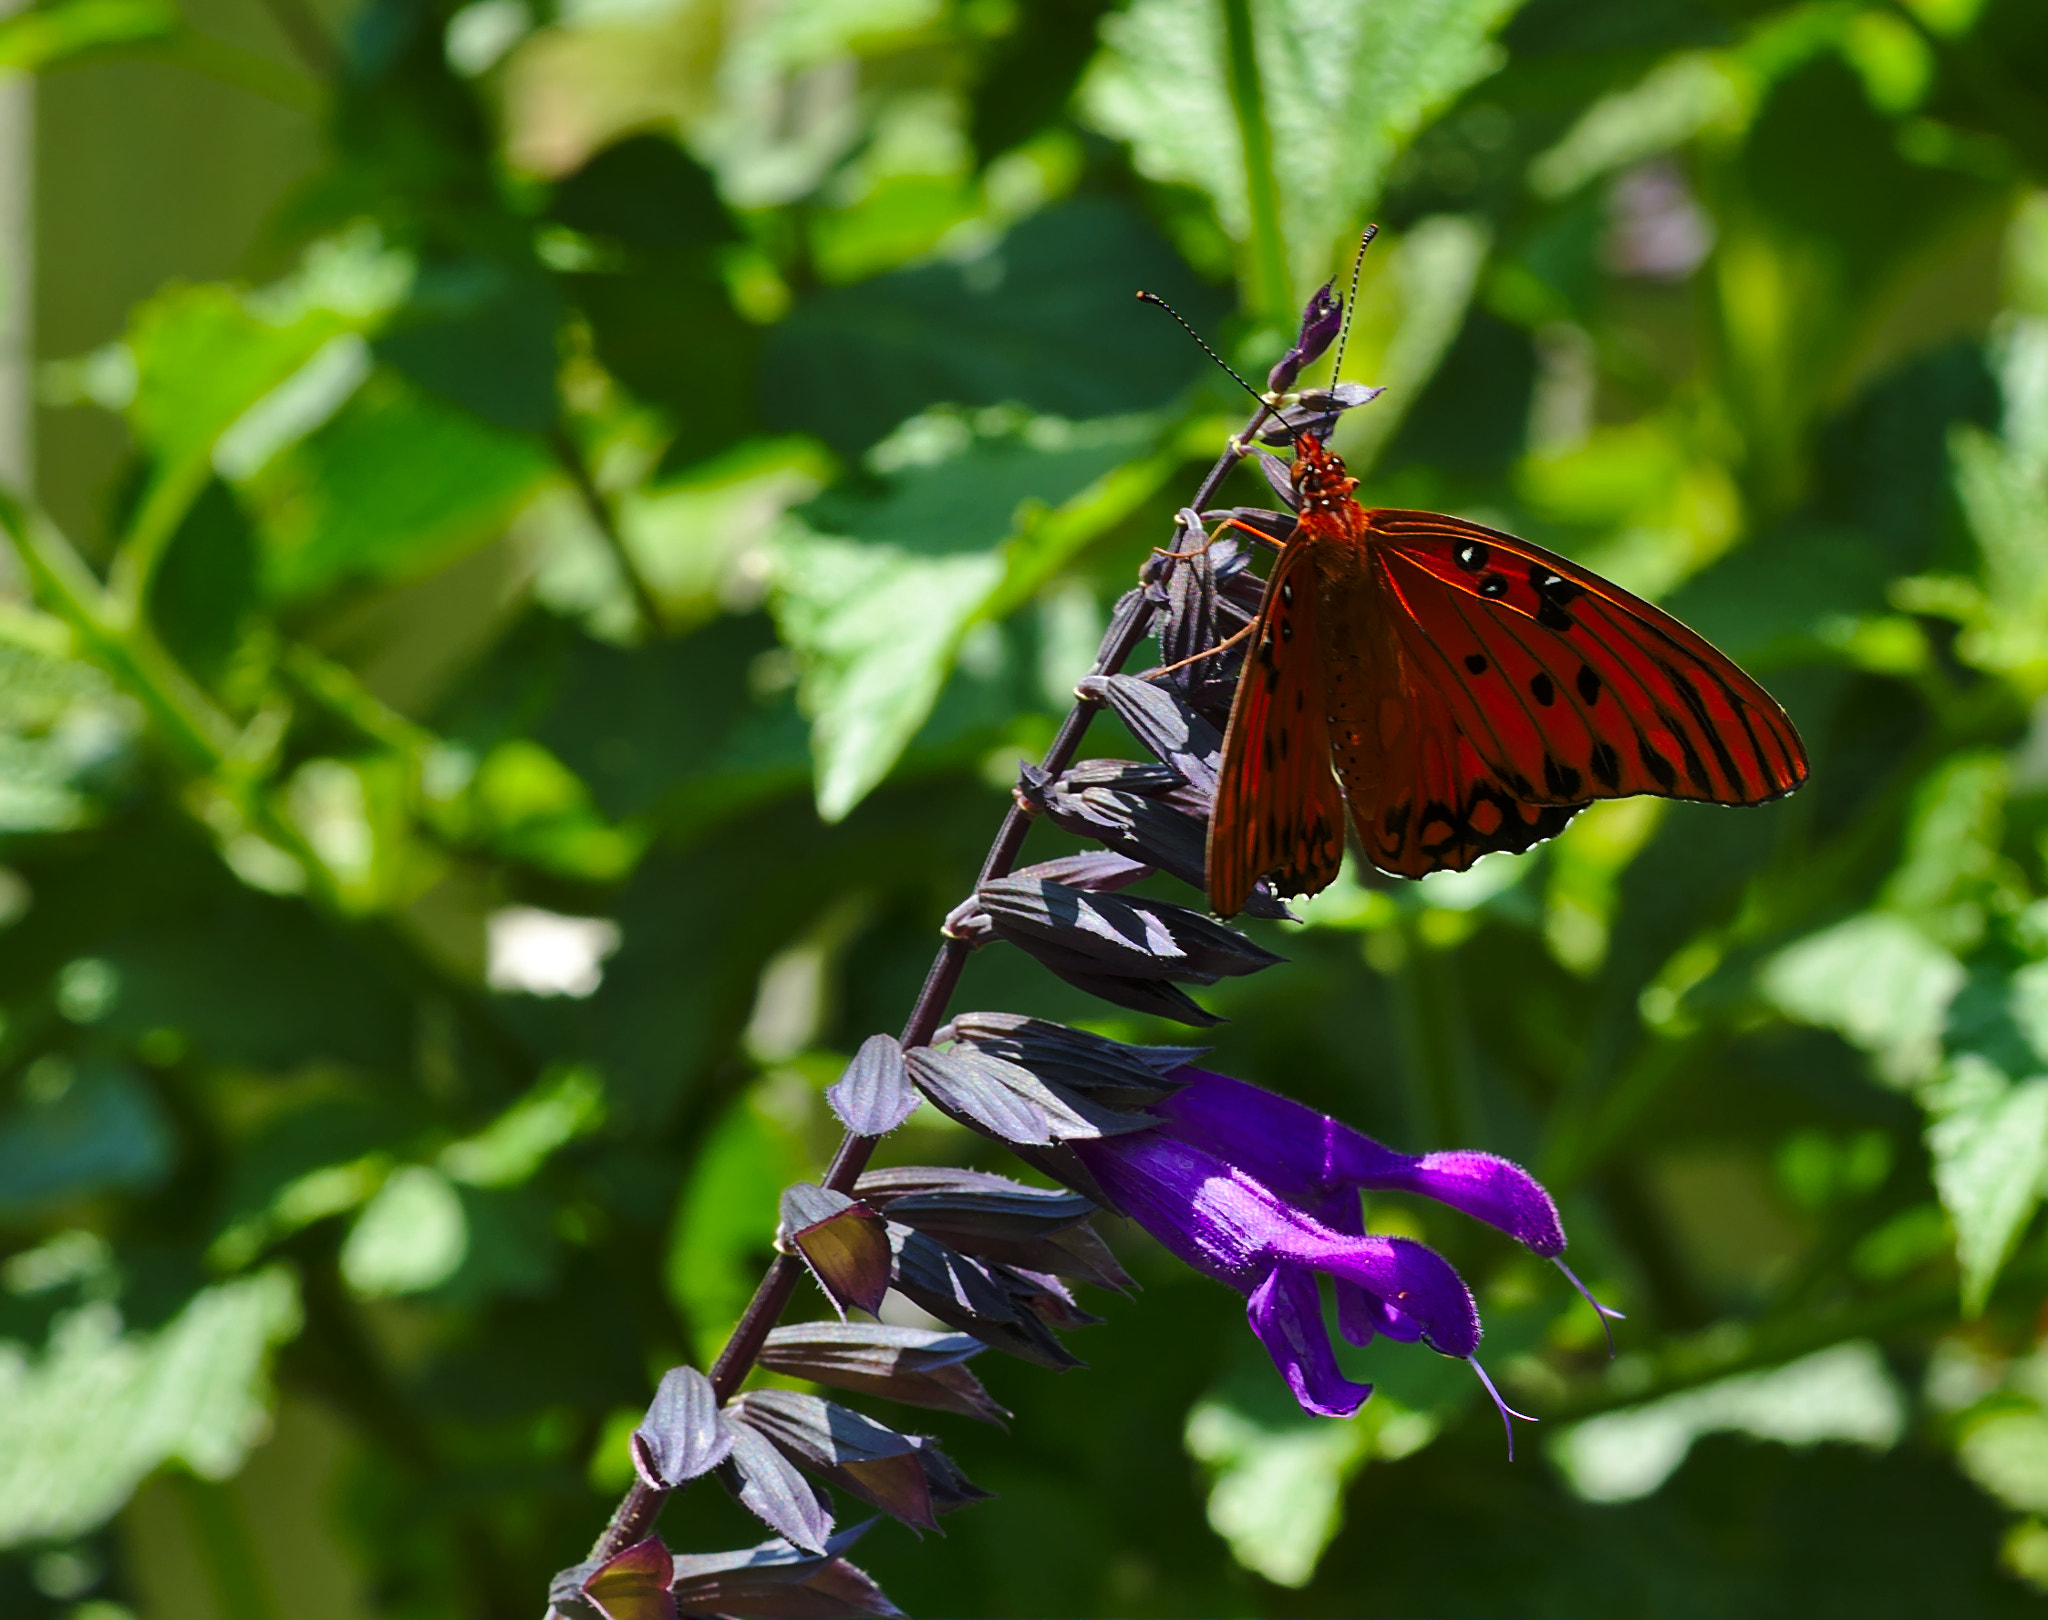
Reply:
x=1277, y=1480
x=42, y=36
x=1344, y=86
x=1988, y=1137
x=83, y=1421
x=1878, y=981
x=397, y=484
x=411, y=1237
x=876, y=595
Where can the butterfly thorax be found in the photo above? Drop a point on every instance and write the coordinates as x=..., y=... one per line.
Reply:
x=1320, y=482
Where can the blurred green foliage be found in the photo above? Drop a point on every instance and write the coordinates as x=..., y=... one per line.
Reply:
x=560, y=644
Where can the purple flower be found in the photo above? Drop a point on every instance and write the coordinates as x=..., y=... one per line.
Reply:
x=1262, y=1192
x=1321, y=320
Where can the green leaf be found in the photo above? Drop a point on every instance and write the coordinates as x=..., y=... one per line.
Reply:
x=64, y=731
x=2004, y=494
x=409, y=1238
x=666, y=329
x=2007, y=1454
x=1045, y=319
x=648, y=192
x=1988, y=1137
x=1683, y=96
x=513, y=1146
x=44, y=36
x=397, y=485
x=481, y=334
x=1770, y=599
x=96, y=1129
x=1842, y=1393
x=877, y=633
x=877, y=594
x=1951, y=860
x=1876, y=980
x=83, y=1423
x=1345, y=88
x=1276, y=1474
x=205, y=589
x=204, y=356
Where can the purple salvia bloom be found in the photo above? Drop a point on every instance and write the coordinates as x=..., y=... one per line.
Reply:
x=1323, y=1164
x=1262, y=1192
x=1321, y=320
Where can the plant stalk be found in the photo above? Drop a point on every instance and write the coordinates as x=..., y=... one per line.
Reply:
x=634, y=1519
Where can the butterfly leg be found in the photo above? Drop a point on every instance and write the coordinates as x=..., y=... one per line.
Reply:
x=1196, y=658
x=1260, y=535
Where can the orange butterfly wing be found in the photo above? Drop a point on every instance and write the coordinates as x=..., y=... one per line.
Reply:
x=1530, y=688
x=1278, y=811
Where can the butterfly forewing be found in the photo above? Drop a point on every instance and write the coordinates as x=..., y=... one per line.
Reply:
x=1278, y=812
x=1566, y=685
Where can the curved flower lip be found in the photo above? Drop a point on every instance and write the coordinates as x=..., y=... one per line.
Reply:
x=1222, y=1221
x=1262, y=1192
x=1322, y=1164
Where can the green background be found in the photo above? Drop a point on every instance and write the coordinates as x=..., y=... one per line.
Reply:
x=661, y=464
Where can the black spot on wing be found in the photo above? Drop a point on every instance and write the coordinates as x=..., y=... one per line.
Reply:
x=1476, y=663
x=1655, y=763
x=1561, y=779
x=1589, y=685
x=1472, y=556
x=1542, y=689
x=1494, y=585
x=1605, y=765
x=1554, y=593
x=1439, y=829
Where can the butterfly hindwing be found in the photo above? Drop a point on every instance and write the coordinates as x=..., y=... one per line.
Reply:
x=1278, y=812
x=1566, y=686
x=1421, y=796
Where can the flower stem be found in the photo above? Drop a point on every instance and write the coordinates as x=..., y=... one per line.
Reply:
x=570, y=454
x=636, y=1513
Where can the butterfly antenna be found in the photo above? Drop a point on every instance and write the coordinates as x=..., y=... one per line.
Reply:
x=1154, y=298
x=1351, y=303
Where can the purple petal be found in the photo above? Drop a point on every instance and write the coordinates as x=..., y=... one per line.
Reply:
x=1320, y=1162
x=1416, y=1287
x=1320, y=322
x=1484, y=1186
x=1287, y=1316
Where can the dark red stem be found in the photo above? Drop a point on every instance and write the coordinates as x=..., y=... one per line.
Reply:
x=636, y=1514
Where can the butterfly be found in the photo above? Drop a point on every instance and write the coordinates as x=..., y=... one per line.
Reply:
x=1457, y=691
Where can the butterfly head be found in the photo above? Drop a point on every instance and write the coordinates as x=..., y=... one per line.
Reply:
x=1320, y=482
